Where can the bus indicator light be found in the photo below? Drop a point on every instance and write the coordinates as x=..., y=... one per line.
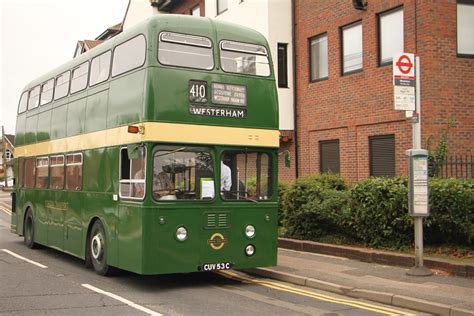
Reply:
x=132, y=129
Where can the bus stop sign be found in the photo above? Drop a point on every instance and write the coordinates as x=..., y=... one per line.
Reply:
x=404, y=82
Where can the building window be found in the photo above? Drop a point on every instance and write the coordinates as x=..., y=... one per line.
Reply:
x=318, y=58
x=129, y=55
x=100, y=67
x=382, y=155
x=8, y=154
x=390, y=35
x=282, y=65
x=196, y=11
x=132, y=172
x=79, y=77
x=351, y=48
x=74, y=172
x=329, y=156
x=222, y=6
x=465, y=27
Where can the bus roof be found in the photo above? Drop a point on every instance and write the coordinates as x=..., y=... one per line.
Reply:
x=203, y=26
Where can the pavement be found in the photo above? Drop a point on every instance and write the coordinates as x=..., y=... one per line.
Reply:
x=442, y=293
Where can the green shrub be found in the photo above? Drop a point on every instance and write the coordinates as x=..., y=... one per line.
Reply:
x=375, y=211
x=301, y=214
x=451, y=218
x=379, y=212
x=323, y=215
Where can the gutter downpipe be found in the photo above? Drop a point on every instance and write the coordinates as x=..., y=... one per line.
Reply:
x=295, y=98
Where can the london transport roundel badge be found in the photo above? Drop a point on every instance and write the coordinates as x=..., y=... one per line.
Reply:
x=217, y=241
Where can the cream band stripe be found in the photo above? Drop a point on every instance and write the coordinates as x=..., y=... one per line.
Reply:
x=156, y=132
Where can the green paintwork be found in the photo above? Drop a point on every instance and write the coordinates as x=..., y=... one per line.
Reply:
x=137, y=241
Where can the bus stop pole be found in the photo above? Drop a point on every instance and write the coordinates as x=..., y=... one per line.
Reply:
x=419, y=269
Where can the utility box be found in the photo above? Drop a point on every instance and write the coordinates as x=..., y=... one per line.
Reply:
x=418, y=203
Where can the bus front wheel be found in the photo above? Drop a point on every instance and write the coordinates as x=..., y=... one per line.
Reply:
x=98, y=249
x=29, y=233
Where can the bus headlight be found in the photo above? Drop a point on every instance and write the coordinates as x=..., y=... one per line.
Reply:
x=250, y=231
x=181, y=234
x=250, y=250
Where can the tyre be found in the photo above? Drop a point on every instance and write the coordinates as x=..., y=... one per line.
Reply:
x=98, y=249
x=29, y=231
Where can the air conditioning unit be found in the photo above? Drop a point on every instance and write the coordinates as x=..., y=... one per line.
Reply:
x=360, y=4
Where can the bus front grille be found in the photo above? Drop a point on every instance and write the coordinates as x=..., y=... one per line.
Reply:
x=217, y=220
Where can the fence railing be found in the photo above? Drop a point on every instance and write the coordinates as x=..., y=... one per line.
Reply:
x=459, y=166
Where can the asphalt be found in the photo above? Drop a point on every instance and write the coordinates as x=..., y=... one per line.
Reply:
x=441, y=293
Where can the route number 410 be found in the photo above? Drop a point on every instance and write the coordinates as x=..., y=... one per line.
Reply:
x=198, y=91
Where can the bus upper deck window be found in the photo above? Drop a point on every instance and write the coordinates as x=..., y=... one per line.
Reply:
x=23, y=102
x=243, y=58
x=184, y=50
x=34, y=98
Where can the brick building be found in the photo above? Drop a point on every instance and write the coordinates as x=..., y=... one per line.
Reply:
x=345, y=117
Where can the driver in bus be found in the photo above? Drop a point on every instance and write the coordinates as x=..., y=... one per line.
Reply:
x=226, y=179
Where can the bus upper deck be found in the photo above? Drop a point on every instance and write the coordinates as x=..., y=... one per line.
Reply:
x=177, y=75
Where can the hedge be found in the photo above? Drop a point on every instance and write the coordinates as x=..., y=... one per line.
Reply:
x=374, y=211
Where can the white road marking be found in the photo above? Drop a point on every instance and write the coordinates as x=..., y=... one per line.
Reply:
x=25, y=259
x=123, y=300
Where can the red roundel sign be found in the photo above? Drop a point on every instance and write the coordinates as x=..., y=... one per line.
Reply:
x=404, y=64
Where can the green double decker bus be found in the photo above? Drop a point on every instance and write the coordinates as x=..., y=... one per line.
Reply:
x=155, y=152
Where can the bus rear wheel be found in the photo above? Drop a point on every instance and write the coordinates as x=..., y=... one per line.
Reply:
x=29, y=231
x=98, y=249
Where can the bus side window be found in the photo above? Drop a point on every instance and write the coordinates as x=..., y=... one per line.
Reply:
x=132, y=174
x=42, y=168
x=129, y=55
x=79, y=77
x=23, y=102
x=21, y=172
x=100, y=68
x=34, y=98
x=57, y=172
x=47, y=92
x=74, y=172
x=62, y=85
x=30, y=173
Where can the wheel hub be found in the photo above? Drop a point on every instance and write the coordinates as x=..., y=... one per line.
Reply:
x=97, y=247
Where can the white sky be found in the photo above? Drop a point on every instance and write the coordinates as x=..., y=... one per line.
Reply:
x=39, y=35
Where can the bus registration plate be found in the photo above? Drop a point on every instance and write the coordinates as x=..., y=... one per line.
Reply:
x=216, y=266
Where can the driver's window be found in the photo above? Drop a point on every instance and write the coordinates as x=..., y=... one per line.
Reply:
x=246, y=175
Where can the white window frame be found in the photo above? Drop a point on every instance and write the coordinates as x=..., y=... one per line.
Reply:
x=384, y=60
x=344, y=31
x=311, y=40
x=463, y=34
